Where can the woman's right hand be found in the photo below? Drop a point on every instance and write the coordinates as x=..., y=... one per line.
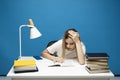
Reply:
x=58, y=59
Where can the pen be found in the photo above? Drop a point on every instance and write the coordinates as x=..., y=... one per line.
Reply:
x=55, y=65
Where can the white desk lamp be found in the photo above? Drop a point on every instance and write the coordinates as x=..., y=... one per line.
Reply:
x=34, y=33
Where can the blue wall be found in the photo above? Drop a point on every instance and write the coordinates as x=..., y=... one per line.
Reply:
x=97, y=21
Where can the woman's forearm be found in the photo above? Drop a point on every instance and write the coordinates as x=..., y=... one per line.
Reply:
x=47, y=55
x=80, y=54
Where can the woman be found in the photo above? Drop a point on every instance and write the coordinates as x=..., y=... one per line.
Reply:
x=68, y=47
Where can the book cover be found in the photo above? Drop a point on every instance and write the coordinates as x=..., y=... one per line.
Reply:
x=94, y=66
x=37, y=57
x=98, y=68
x=25, y=68
x=30, y=62
x=97, y=62
x=97, y=71
x=35, y=69
x=97, y=56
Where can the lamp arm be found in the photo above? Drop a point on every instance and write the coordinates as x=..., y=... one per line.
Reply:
x=33, y=35
x=20, y=40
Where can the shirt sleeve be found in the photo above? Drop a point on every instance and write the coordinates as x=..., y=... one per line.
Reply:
x=55, y=46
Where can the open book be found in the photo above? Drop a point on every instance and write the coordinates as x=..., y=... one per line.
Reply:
x=66, y=63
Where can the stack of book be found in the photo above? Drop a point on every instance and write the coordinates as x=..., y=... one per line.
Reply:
x=97, y=62
x=21, y=66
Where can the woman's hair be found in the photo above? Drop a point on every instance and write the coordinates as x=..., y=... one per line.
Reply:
x=66, y=36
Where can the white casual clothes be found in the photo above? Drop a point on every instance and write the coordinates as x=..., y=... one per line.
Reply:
x=57, y=47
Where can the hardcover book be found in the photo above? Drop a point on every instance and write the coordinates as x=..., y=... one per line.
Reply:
x=98, y=67
x=96, y=70
x=29, y=62
x=24, y=70
x=97, y=62
x=97, y=56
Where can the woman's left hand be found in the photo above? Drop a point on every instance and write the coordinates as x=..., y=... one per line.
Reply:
x=74, y=35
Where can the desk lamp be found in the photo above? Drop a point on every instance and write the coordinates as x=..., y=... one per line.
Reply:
x=34, y=33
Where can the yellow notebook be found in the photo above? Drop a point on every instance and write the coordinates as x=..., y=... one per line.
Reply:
x=30, y=62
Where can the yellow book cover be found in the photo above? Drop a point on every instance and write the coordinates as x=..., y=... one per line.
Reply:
x=30, y=62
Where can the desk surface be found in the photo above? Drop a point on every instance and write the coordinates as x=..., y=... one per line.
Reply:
x=72, y=70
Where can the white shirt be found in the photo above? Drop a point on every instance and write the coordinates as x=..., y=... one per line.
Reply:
x=57, y=47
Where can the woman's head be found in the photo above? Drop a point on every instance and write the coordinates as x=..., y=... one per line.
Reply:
x=66, y=34
x=68, y=42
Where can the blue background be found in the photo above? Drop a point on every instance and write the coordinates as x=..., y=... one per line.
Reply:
x=97, y=21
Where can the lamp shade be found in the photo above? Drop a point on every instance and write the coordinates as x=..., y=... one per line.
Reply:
x=34, y=33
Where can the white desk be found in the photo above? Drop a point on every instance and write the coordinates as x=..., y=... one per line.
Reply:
x=73, y=71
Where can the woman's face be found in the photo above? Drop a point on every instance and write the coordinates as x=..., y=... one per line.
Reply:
x=69, y=44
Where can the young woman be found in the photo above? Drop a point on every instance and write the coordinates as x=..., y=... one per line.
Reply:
x=70, y=46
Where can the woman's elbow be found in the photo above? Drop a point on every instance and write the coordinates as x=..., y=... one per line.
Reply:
x=82, y=62
x=43, y=54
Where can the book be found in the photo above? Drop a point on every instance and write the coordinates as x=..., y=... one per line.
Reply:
x=94, y=66
x=66, y=63
x=37, y=57
x=30, y=62
x=57, y=64
x=16, y=70
x=25, y=67
x=97, y=62
x=97, y=56
x=97, y=67
x=28, y=65
x=96, y=70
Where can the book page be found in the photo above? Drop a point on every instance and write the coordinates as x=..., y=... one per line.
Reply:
x=66, y=63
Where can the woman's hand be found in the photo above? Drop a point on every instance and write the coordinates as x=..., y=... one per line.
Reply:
x=58, y=59
x=74, y=35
